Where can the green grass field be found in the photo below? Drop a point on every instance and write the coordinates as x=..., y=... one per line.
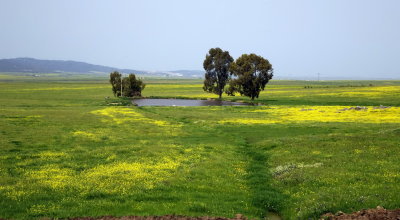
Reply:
x=65, y=152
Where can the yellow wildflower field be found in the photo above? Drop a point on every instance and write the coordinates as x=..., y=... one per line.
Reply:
x=122, y=114
x=66, y=88
x=304, y=114
x=303, y=148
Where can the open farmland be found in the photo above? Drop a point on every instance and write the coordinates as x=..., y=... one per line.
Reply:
x=66, y=152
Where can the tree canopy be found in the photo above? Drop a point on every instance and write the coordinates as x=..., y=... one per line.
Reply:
x=115, y=80
x=216, y=65
x=131, y=86
x=250, y=75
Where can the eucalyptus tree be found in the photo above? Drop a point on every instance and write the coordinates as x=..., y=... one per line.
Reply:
x=250, y=74
x=115, y=80
x=132, y=86
x=217, y=74
x=127, y=86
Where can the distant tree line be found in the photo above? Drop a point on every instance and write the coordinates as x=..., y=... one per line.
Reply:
x=129, y=86
x=247, y=75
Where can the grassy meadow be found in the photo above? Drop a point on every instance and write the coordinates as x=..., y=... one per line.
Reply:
x=67, y=151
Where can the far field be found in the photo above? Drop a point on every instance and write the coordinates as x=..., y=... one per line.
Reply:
x=67, y=152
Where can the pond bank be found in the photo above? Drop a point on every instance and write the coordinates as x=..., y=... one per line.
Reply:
x=184, y=102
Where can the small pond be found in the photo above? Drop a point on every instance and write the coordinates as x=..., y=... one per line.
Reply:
x=184, y=102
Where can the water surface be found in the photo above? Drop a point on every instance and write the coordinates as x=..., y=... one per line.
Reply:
x=184, y=102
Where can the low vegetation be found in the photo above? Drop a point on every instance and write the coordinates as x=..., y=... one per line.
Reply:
x=68, y=151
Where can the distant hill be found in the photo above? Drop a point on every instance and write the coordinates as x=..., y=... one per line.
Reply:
x=31, y=65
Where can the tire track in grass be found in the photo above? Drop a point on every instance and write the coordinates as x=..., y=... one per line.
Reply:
x=265, y=198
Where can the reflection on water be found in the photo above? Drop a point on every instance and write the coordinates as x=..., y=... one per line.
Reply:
x=183, y=102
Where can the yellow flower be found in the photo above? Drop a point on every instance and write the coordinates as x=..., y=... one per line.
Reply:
x=302, y=114
x=123, y=114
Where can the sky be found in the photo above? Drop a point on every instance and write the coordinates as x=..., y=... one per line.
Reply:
x=357, y=38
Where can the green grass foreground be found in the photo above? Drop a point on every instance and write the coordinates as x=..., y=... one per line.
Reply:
x=67, y=152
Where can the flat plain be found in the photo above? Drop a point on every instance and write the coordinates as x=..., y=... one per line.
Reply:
x=306, y=148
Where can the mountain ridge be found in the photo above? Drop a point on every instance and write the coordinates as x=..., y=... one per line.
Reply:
x=32, y=65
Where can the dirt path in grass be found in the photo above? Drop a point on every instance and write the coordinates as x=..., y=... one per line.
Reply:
x=265, y=198
x=368, y=214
